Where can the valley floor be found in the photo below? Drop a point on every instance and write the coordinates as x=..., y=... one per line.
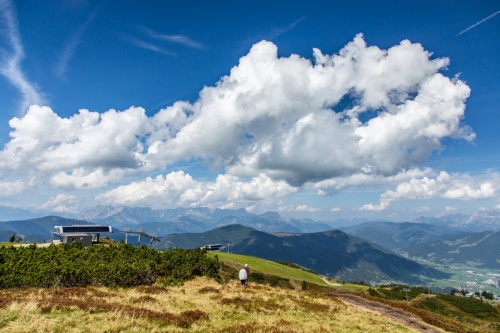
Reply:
x=470, y=276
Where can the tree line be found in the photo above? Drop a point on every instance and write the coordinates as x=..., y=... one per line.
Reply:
x=72, y=265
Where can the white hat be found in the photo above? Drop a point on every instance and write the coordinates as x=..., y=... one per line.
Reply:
x=246, y=265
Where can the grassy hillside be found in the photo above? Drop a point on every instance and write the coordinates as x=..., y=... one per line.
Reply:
x=280, y=298
x=285, y=271
x=270, y=267
x=200, y=305
x=455, y=313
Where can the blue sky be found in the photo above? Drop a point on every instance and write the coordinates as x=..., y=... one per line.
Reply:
x=320, y=109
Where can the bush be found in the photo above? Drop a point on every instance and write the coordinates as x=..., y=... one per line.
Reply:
x=169, y=281
x=471, y=305
x=72, y=265
x=374, y=293
x=271, y=280
x=434, y=305
x=397, y=292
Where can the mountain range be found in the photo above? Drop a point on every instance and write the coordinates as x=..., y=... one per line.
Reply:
x=366, y=251
x=166, y=221
x=332, y=253
x=476, y=222
x=442, y=244
x=480, y=249
x=202, y=219
x=35, y=230
x=401, y=236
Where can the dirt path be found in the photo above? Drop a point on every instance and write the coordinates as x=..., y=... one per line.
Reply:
x=398, y=315
x=328, y=282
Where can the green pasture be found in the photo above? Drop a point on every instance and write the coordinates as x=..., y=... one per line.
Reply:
x=274, y=268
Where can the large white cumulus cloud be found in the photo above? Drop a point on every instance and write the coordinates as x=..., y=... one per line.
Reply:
x=444, y=185
x=87, y=139
x=287, y=117
x=274, y=123
x=179, y=188
x=82, y=151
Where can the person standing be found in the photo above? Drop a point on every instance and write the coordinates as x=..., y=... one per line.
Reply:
x=247, y=269
x=242, y=275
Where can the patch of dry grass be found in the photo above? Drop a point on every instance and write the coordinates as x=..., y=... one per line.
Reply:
x=201, y=305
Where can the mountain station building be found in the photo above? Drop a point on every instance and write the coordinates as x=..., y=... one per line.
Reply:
x=86, y=234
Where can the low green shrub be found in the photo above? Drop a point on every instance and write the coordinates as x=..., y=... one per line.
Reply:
x=473, y=306
x=374, y=292
x=271, y=280
x=432, y=304
x=72, y=265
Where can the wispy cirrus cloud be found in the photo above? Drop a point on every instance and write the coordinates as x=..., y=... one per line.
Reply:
x=276, y=32
x=269, y=34
x=70, y=47
x=152, y=40
x=144, y=45
x=13, y=55
x=180, y=39
x=478, y=23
